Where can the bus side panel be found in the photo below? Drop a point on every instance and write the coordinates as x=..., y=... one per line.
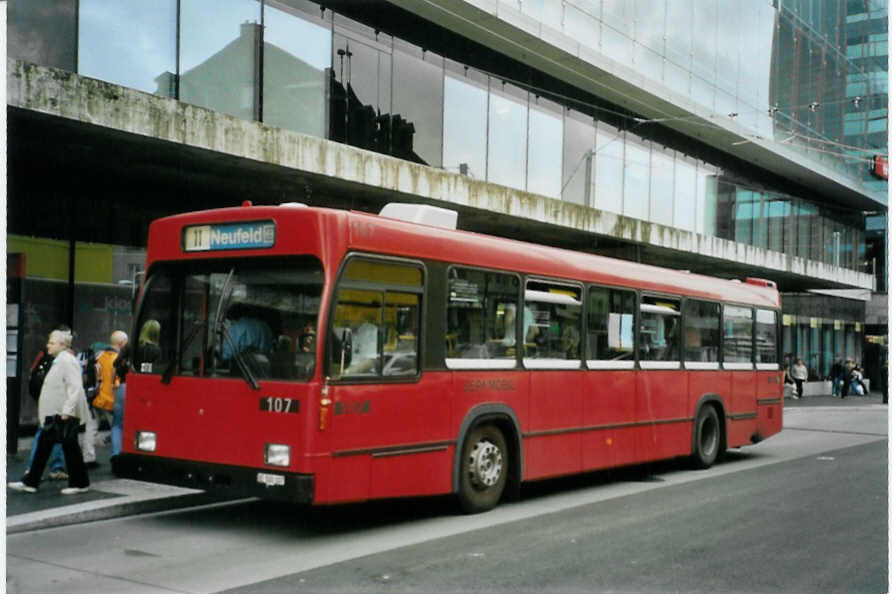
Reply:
x=385, y=433
x=609, y=401
x=509, y=388
x=743, y=422
x=770, y=402
x=662, y=406
x=555, y=413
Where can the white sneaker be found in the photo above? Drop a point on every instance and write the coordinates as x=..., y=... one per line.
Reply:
x=20, y=486
x=74, y=490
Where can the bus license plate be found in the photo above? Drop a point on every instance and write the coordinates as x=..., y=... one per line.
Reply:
x=270, y=480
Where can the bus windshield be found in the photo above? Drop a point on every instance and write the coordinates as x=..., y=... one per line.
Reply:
x=250, y=318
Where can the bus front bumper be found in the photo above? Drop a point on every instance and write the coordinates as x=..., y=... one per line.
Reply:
x=218, y=479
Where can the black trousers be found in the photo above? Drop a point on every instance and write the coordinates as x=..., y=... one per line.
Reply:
x=799, y=383
x=74, y=460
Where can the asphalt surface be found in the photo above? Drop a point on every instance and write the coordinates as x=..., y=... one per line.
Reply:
x=111, y=497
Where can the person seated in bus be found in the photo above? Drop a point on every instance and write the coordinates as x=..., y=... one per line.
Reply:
x=246, y=333
x=529, y=329
x=365, y=347
x=148, y=350
x=570, y=341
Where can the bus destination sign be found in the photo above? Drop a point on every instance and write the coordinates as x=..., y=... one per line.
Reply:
x=229, y=236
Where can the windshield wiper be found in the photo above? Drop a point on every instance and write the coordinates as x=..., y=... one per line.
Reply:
x=168, y=371
x=216, y=335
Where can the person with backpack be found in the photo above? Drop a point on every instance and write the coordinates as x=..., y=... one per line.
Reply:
x=39, y=368
x=87, y=360
x=122, y=366
x=103, y=403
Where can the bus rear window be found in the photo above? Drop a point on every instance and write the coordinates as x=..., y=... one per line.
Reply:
x=248, y=318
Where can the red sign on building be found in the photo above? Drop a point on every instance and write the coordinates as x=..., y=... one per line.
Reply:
x=880, y=167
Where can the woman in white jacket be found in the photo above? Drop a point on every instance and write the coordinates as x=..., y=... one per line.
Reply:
x=62, y=407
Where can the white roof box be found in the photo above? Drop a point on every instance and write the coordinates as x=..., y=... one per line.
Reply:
x=421, y=213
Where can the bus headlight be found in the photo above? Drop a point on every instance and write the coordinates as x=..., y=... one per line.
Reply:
x=146, y=441
x=277, y=454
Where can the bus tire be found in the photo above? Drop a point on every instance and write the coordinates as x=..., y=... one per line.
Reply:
x=484, y=469
x=707, y=437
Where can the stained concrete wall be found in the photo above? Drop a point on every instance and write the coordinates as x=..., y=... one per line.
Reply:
x=67, y=95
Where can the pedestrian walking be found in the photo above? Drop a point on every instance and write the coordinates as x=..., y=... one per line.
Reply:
x=122, y=366
x=836, y=376
x=799, y=372
x=39, y=368
x=107, y=380
x=62, y=407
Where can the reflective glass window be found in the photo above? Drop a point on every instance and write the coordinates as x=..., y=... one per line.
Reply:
x=636, y=182
x=481, y=319
x=506, y=144
x=297, y=51
x=580, y=24
x=578, y=161
x=218, y=48
x=464, y=127
x=417, y=105
x=608, y=190
x=610, y=328
x=684, y=215
x=132, y=44
x=545, y=148
x=659, y=333
x=650, y=20
x=361, y=94
x=707, y=188
x=702, y=321
x=744, y=215
x=738, y=334
x=616, y=29
x=705, y=30
x=662, y=186
x=679, y=33
x=43, y=32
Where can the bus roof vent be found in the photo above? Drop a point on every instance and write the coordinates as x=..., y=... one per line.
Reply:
x=421, y=213
x=293, y=204
x=761, y=282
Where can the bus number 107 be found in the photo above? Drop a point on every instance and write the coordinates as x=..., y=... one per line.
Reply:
x=279, y=405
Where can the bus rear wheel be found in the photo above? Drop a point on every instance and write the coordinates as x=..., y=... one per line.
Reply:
x=484, y=469
x=707, y=437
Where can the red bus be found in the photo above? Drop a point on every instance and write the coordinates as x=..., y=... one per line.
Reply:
x=324, y=356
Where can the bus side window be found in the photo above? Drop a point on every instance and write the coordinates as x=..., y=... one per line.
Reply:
x=378, y=312
x=660, y=336
x=701, y=331
x=610, y=326
x=766, y=336
x=738, y=334
x=481, y=314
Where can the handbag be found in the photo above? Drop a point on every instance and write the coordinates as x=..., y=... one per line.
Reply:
x=62, y=431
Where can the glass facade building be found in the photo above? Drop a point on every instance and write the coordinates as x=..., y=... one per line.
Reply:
x=809, y=76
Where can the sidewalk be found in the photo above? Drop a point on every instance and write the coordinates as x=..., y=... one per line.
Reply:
x=109, y=496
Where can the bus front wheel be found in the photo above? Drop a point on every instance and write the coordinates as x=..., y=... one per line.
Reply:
x=484, y=469
x=707, y=437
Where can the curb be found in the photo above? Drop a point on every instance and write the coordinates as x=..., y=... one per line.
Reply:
x=100, y=510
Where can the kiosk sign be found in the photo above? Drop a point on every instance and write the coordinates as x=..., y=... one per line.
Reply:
x=229, y=236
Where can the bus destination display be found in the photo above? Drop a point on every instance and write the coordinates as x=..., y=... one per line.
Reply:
x=232, y=236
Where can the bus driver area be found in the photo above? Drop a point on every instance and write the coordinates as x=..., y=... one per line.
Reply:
x=343, y=356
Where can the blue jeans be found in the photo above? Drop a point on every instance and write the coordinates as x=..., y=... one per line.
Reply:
x=117, y=428
x=57, y=460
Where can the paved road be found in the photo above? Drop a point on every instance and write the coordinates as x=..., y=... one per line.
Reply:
x=804, y=511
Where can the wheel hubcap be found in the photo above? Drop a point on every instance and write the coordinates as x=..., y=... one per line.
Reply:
x=485, y=464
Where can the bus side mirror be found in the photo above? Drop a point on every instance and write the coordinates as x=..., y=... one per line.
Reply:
x=342, y=349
